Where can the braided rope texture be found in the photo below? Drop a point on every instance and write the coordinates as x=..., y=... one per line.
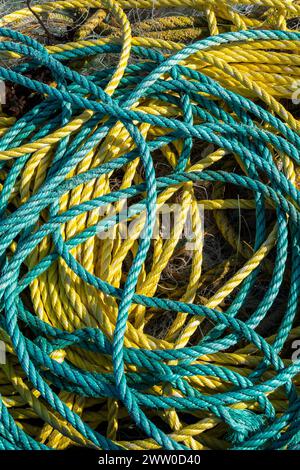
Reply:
x=141, y=342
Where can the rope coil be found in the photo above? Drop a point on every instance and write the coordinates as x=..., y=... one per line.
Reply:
x=77, y=309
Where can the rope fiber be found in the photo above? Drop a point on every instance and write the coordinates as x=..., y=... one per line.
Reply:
x=144, y=341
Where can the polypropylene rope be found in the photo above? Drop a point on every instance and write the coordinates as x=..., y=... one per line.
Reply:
x=76, y=308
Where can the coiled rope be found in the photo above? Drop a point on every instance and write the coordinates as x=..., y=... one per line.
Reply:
x=77, y=308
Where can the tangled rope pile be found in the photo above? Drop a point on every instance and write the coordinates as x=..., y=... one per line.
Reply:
x=210, y=123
